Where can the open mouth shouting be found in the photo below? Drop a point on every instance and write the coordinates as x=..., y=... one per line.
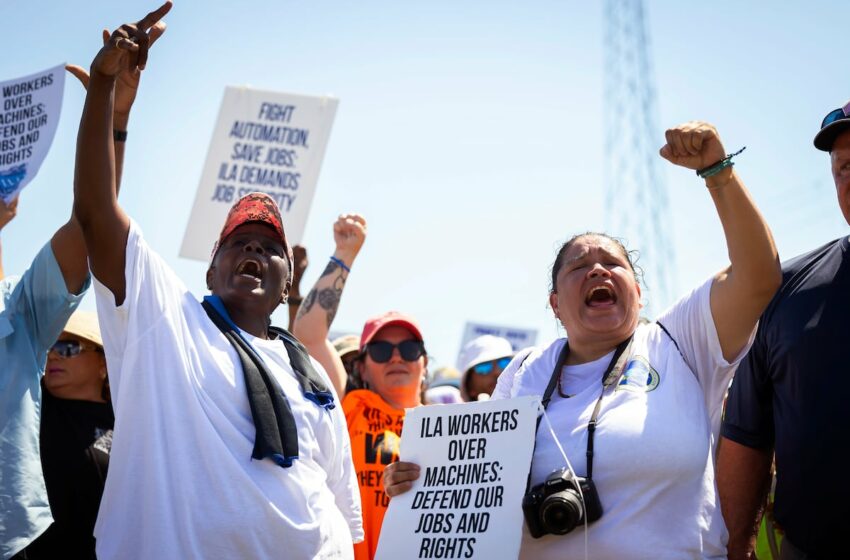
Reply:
x=601, y=296
x=251, y=269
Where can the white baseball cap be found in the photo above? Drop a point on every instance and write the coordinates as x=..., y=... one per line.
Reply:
x=483, y=349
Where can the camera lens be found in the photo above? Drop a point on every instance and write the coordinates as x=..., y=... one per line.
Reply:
x=561, y=512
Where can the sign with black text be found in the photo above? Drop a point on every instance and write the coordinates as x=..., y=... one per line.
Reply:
x=518, y=337
x=467, y=501
x=30, y=113
x=264, y=141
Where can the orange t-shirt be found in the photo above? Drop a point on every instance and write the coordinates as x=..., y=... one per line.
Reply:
x=375, y=430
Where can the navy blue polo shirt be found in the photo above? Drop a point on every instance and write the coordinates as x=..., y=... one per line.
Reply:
x=791, y=393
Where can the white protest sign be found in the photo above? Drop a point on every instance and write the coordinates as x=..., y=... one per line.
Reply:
x=467, y=501
x=30, y=113
x=518, y=337
x=263, y=141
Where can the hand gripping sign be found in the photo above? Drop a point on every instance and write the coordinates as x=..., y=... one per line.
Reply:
x=28, y=118
x=467, y=501
x=263, y=141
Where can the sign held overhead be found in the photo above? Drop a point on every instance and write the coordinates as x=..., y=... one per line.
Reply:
x=28, y=118
x=263, y=141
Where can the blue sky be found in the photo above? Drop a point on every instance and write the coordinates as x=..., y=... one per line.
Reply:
x=469, y=134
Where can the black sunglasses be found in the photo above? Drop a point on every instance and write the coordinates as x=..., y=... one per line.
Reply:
x=381, y=351
x=837, y=115
x=68, y=348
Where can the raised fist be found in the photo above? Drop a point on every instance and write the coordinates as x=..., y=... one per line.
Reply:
x=349, y=235
x=695, y=145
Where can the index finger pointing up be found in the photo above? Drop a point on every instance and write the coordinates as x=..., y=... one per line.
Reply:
x=146, y=22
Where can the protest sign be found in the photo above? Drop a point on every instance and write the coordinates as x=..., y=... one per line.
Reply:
x=518, y=337
x=467, y=501
x=263, y=141
x=30, y=113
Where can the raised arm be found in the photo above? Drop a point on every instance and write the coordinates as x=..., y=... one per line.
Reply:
x=314, y=321
x=104, y=224
x=126, y=88
x=68, y=243
x=742, y=290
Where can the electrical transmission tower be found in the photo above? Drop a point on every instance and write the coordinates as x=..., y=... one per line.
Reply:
x=635, y=192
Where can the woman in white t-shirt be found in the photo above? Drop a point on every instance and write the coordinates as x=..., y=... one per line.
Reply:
x=658, y=387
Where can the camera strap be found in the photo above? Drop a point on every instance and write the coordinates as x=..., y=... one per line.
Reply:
x=612, y=375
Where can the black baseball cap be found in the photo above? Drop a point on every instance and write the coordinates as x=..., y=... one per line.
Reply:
x=833, y=124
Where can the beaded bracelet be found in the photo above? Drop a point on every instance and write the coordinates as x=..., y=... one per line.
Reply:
x=340, y=263
x=716, y=168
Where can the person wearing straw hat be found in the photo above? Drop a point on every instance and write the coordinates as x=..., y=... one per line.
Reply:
x=348, y=349
x=76, y=438
x=33, y=309
x=76, y=367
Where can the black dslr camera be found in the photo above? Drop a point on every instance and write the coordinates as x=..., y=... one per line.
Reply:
x=555, y=505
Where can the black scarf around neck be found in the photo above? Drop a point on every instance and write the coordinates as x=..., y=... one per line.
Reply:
x=277, y=433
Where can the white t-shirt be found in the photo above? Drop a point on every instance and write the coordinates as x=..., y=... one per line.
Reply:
x=181, y=481
x=654, y=445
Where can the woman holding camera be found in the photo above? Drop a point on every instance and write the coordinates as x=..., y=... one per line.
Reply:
x=655, y=390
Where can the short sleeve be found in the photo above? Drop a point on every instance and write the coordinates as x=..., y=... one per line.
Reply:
x=748, y=418
x=42, y=300
x=691, y=325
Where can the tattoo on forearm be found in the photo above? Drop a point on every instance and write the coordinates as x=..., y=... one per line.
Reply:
x=329, y=301
x=307, y=304
x=328, y=298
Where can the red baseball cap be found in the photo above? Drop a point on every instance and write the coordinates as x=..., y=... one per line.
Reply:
x=375, y=324
x=254, y=207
